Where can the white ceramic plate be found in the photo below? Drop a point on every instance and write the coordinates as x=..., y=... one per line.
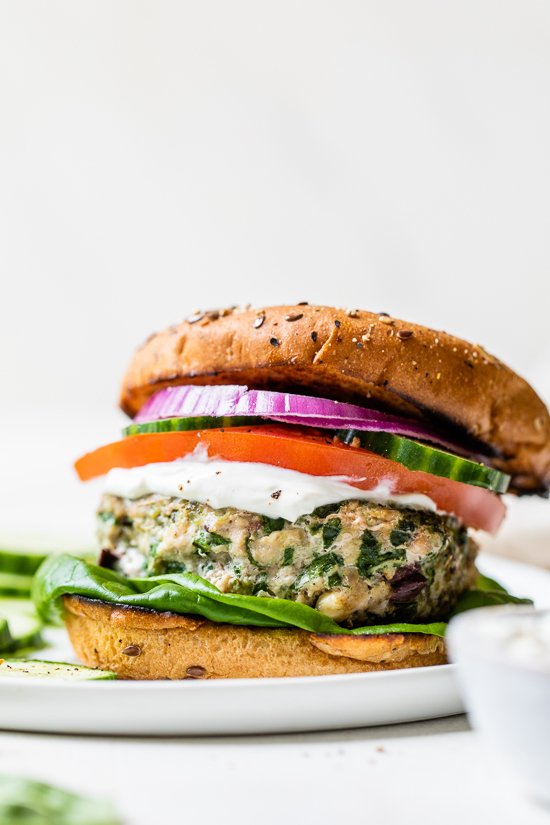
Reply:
x=236, y=706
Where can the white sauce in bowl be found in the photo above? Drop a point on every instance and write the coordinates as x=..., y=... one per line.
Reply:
x=521, y=637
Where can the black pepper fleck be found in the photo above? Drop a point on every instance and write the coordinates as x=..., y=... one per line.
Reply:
x=276, y=494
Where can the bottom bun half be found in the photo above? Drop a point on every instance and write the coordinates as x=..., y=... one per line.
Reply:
x=145, y=644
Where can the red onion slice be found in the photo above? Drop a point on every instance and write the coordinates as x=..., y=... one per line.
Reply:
x=228, y=400
x=189, y=401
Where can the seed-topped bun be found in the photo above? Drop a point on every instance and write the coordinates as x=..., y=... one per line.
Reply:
x=254, y=533
x=146, y=644
x=354, y=355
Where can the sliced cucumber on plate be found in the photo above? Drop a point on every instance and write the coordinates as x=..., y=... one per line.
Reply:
x=40, y=669
x=23, y=625
x=416, y=456
x=5, y=635
x=23, y=562
x=15, y=584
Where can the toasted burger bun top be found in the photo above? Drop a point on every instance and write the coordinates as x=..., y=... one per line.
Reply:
x=359, y=356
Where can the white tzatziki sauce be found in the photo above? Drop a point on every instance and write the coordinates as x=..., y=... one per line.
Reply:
x=257, y=488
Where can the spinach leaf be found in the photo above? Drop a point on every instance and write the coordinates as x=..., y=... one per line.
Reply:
x=249, y=555
x=331, y=529
x=399, y=537
x=288, y=556
x=185, y=593
x=206, y=540
x=335, y=579
x=260, y=586
x=326, y=510
x=189, y=593
x=485, y=583
x=373, y=555
x=174, y=567
x=369, y=553
x=483, y=597
x=271, y=525
x=318, y=567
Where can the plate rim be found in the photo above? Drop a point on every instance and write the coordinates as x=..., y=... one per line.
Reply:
x=213, y=684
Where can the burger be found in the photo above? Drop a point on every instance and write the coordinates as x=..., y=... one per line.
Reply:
x=293, y=495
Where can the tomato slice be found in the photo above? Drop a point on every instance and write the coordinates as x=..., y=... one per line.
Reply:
x=307, y=452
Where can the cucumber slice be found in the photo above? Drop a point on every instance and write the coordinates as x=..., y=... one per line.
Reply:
x=5, y=635
x=416, y=456
x=23, y=562
x=15, y=584
x=170, y=425
x=24, y=625
x=38, y=668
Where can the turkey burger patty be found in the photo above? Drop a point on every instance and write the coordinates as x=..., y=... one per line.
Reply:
x=355, y=561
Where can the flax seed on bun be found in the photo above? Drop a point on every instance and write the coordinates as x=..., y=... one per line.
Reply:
x=365, y=357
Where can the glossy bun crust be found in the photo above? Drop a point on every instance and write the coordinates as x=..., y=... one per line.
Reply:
x=359, y=356
x=145, y=644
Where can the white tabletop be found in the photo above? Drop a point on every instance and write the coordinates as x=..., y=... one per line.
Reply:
x=429, y=772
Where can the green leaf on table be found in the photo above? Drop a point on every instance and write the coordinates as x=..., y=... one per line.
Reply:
x=28, y=802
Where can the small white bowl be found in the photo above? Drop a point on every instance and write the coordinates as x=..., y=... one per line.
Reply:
x=503, y=658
